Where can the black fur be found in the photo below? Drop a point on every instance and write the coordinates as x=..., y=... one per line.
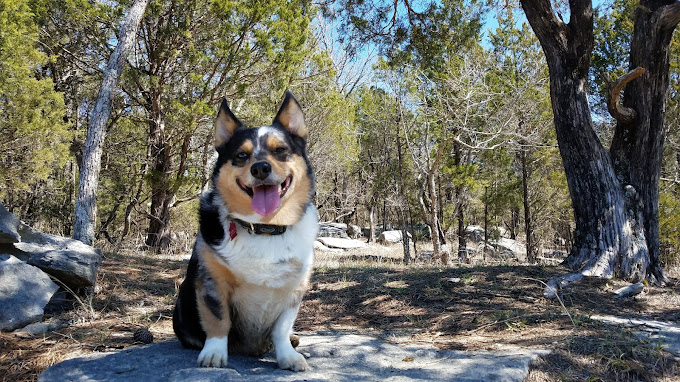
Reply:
x=209, y=219
x=185, y=320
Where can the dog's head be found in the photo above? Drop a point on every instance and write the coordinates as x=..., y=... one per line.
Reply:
x=263, y=174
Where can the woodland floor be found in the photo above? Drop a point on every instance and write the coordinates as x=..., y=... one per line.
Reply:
x=369, y=291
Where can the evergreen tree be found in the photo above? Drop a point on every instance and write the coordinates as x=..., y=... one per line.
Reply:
x=34, y=138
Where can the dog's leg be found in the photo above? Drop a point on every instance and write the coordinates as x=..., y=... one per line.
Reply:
x=214, y=289
x=286, y=356
x=216, y=323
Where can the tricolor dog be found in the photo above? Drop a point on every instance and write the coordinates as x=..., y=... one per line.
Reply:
x=253, y=255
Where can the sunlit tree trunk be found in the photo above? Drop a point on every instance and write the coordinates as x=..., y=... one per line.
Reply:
x=86, y=201
x=615, y=197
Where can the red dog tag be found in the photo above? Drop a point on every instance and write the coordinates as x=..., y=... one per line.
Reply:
x=232, y=230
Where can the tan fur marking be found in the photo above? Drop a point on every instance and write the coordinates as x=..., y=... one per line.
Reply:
x=247, y=147
x=279, y=169
x=234, y=197
x=294, y=203
x=301, y=289
x=273, y=143
x=225, y=282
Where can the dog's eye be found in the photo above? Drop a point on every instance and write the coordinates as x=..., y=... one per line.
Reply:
x=280, y=150
x=242, y=156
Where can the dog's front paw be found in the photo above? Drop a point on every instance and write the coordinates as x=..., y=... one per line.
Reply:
x=214, y=353
x=292, y=361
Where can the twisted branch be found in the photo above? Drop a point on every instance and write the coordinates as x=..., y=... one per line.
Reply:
x=619, y=112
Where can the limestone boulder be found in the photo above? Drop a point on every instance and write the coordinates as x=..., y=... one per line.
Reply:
x=333, y=230
x=24, y=292
x=72, y=262
x=336, y=242
x=354, y=231
x=391, y=237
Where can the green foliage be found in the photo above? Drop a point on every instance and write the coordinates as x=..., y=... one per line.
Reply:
x=613, y=28
x=669, y=227
x=33, y=136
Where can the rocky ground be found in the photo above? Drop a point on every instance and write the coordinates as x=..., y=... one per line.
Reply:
x=367, y=291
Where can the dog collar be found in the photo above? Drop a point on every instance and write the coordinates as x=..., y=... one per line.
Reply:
x=257, y=229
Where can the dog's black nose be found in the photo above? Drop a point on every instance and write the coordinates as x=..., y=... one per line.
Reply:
x=261, y=170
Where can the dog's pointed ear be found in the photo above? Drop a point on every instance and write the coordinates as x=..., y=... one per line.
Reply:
x=225, y=124
x=291, y=117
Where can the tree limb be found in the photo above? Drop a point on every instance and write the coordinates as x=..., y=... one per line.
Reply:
x=543, y=21
x=619, y=112
x=670, y=16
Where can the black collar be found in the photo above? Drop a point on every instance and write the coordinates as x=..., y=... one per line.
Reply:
x=262, y=229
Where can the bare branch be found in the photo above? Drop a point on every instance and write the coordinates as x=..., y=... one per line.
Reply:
x=618, y=111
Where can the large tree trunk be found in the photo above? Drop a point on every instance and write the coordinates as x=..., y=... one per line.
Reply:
x=158, y=234
x=86, y=202
x=613, y=236
x=637, y=147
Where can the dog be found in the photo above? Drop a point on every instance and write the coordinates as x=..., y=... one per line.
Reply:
x=253, y=255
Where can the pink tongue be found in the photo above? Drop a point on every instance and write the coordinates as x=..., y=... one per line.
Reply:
x=265, y=199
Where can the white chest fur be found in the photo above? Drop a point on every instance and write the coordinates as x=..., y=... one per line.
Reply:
x=279, y=261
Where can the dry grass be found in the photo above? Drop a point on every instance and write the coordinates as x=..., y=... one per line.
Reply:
x=371, y=291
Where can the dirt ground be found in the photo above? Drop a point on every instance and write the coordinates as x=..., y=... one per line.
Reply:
x=461, y=307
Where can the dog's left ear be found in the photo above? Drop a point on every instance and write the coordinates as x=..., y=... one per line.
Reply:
x=291, y=117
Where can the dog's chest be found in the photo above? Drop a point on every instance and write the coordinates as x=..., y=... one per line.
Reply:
x=266, y=260
x=277, y=261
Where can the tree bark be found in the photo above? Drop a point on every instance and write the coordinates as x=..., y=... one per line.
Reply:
x=615, y=198
x=371, y=224
x=86, y=202
x=532, y=253
x=158, y=234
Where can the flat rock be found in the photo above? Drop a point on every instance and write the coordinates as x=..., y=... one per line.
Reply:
x=24, y=292
x=654, y=331
x=319, y=246
x=336, y=242
x=331, y=357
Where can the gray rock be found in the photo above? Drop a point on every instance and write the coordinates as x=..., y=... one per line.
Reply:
x=333, y=230
x=335, y=242
x=319, y=246
x=354, y=231
x=8, y=226
x=72, y=262
x=24, y=292
x=42, y=327
x=666, y=333
x=331, y=357
x=390, y=237
x=474, y=233
x=629, y=291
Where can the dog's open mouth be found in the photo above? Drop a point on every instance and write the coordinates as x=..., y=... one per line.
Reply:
x=266, y=198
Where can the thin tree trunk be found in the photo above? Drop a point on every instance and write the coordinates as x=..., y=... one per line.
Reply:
x=86, y=202
x=371, y=224
x=403, y=201
x=532, y=256
x=486, y=220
